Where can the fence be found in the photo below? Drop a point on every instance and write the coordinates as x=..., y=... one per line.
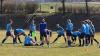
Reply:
x=52, y=20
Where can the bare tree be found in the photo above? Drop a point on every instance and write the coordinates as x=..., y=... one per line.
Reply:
x=31, y=7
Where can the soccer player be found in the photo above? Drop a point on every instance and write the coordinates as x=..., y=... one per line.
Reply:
x=60, y=32
x=43, y=27
x=17, y=33
x=82, y=35
x=29, y=41
x=9, y=32
x=88, y=30
x=32, y=28
x=92, y=33
x=75, y=34
x=69, y=29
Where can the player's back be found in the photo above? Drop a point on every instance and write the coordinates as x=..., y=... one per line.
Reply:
x=20, y=30
x=27, y=40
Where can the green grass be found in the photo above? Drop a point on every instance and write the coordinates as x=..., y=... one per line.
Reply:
x=57, y=49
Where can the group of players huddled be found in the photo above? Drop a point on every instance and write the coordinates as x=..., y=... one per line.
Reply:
x=85, y=34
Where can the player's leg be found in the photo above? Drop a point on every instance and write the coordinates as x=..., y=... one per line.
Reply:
x=82, y=39
x=75, y=38
x=72, y=38
x=13, y=36
x=7, y=35
x=47, y=40
x=96, y=41
x=19, y=39
x=33, y=34
x=69, y=39
x=35, y=38
x=91, y=37
x=56, y=38
x=4, y=39
x=87, y=40
x=79, y=41
x=16, y=38
x=16, y=35
x=30, y=33
x=41, y=39
x=64, y=38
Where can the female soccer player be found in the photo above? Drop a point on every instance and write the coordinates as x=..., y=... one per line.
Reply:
x=32, y=28
x=17, y=33
x=60, y=32
x=69, y=29
x=29, y=41
x=92, y=33
x=43, y=27
x=9, y=32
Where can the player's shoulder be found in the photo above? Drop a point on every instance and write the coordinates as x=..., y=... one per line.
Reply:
x=8, y=24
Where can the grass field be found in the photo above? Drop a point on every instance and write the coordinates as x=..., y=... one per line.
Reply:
x=58, y=49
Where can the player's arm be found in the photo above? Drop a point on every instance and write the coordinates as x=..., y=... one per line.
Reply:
x=93, y=29
x=32, y=41
x=35, y=28
x=72, y=26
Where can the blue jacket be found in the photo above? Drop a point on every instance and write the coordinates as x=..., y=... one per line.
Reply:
x=43, y=26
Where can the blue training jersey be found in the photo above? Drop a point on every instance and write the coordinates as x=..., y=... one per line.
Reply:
x=76, y=33
x=43, y=26
x=60, y=30
x=83, y=28
x=88, y=28
x=28, y=40
x=32, y=27
x=20, y=31
x=69, y=26
x=92, y=29
x=8, y=27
